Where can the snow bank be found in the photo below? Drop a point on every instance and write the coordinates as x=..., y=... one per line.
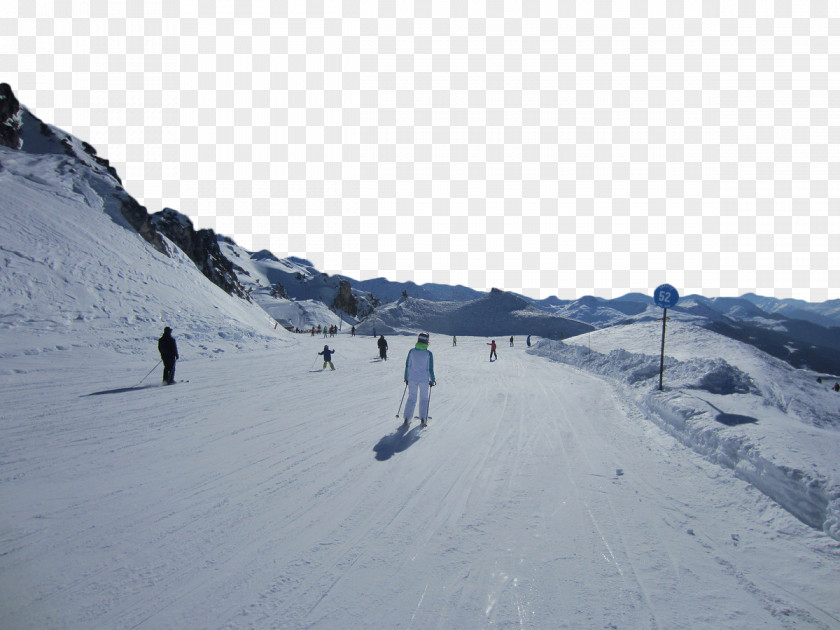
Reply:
x=721, y=411
x=712, y=375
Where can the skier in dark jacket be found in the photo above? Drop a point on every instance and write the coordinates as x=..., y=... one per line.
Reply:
x=327, y=357
x=169, y=354
x=383, y=348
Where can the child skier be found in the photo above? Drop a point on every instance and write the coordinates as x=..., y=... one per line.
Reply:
x=493, y=350
x=327, y=357
x=383, y=348
x=419, y=377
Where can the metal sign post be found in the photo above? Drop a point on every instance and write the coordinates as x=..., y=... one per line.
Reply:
x=665, y=296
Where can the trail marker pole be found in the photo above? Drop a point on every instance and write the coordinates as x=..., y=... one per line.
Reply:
x=662, y=353
x=665, y=296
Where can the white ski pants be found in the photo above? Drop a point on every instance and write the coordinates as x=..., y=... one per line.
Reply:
x=415, y=387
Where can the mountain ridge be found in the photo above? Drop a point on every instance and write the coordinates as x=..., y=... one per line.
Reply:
x=292, y=290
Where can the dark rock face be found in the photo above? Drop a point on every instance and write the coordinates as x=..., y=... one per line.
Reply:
x=345, y=301
x=138, y=217
x=9, y=118
x=202, y=248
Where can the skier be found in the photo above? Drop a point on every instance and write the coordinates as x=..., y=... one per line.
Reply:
x=511, y=341
x=837, y=387
x=454, y=340
x=419, y=377
x=169, y=354
x=528, y=341
x=353, y=331
x=493, y=350
x=327, y=357
x=383, y=348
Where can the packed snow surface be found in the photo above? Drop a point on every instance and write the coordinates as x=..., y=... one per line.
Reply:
x=266, y=492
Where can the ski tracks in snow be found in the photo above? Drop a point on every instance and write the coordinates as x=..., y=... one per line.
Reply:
x=253, y=497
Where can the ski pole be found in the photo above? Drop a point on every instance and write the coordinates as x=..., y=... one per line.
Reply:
x=429, y=402
x=150, y=371
x=401, y=400
x=313, y=363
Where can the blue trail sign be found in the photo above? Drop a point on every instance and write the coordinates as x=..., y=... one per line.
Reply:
x=665, y=296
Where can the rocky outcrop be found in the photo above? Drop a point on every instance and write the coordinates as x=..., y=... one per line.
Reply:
x=100, y=160
x=138, y=218
x=10, y=121
x=202, y=248
x=345, y=301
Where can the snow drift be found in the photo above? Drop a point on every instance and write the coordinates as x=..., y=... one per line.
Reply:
x=739, y=411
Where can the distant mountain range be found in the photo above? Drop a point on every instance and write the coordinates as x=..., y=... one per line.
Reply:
x=297, y=295
x=801, y=333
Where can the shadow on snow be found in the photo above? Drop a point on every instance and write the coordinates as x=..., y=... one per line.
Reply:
x=729, y=419
x=734, y=419
x=121, y=390
x=396, y=442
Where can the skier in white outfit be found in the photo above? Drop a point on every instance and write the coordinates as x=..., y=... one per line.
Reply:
x=419, y=377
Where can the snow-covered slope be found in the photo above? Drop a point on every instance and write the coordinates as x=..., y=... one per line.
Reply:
x=390, y=291
x=497, y=313
x=267, y=493
x=731, y=402
x=825, y=314
x=75, y=272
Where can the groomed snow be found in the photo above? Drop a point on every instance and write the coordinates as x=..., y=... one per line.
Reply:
x=268, y=493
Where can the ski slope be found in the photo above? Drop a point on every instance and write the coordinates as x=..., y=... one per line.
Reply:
x=266, y=493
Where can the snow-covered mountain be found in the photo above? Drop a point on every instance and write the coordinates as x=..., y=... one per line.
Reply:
x=811, y=341
x=555, y=486
x=390, y=291
x=496, y=314
x=825, y=314
x=82, y=260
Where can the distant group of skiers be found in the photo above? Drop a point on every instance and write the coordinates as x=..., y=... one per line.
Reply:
x=836, y=387
x=419, y=374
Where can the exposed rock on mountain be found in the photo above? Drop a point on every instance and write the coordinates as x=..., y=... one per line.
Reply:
x=201, y=247
x=345, y=301
x=10, y=121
